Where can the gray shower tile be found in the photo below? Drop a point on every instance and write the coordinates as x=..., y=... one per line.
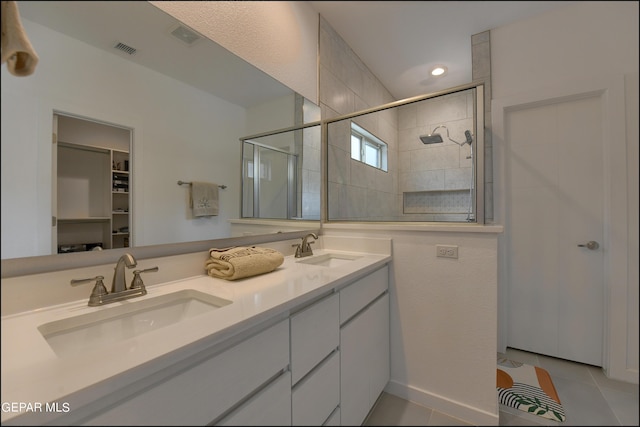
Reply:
x=624, y=406
x=583, y=403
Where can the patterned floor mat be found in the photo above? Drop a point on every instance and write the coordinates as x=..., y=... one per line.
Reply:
x=529, y=389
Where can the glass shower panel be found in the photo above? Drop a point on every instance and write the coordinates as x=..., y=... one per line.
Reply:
x=247, y=180
x=431, y=159
x=274, y=184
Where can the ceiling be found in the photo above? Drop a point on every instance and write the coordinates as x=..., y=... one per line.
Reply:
x=398, y=40
x=401, y=40
x=142, y=26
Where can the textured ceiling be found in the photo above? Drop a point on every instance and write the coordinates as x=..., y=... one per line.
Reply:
x=401, y=40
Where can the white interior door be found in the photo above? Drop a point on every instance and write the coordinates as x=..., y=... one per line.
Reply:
x=555, y=203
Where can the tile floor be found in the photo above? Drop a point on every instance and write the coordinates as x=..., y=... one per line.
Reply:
x=589, y=398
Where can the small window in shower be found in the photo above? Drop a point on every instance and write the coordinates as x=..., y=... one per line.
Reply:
x=367, y=148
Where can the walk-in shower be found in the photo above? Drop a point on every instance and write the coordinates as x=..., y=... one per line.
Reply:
x=432, y=175
x=436, y=138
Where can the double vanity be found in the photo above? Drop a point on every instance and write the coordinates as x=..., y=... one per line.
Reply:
x=307, y=344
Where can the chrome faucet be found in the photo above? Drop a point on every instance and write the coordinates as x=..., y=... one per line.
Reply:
x=119, y=282
x=304, y=249
x=119, y=291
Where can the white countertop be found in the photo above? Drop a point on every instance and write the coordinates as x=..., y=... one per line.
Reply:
x=33, y=373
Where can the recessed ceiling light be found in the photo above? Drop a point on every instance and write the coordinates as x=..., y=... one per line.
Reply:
x=438, y=71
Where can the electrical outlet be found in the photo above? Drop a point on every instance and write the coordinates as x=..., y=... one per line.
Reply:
x=447, y=251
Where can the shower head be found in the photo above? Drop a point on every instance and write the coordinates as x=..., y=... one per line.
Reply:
x=435, y=138
x=468, y=137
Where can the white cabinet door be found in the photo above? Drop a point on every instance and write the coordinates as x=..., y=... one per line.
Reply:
x=269, y=407
x=364, y=361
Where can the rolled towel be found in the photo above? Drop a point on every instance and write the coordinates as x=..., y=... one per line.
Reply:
x=238, y=262
x=17, y=51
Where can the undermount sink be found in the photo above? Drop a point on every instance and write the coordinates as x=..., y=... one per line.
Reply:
x=329, y=260
x=130, y=319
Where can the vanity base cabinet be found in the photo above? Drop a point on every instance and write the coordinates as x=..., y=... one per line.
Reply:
x=325, y=363
x=214, y=388
x=315, y=362
x=316, y=397
x=269, y=407
x=334, y=418
x=364, y=348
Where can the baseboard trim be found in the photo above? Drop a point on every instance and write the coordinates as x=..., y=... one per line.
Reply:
x=452, y=408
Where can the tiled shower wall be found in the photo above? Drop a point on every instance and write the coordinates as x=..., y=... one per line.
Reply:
x=359, y=192
x=309, y=171
x=356, y=191
x=435, y=179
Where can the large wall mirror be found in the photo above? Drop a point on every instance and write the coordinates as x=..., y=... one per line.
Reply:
x=186, y=102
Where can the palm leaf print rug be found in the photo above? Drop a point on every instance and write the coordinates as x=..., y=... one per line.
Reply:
x=529, y=389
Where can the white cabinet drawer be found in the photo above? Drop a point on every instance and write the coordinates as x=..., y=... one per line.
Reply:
x=334, y=418
x=205, y=391
x=356, y=296
x=317, y=395
x=315, y=332
x=269, y=407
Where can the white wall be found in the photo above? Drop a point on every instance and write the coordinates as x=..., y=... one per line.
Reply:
x=278, y=37
x=573, y=46
x=443, y=316
x=180, y=133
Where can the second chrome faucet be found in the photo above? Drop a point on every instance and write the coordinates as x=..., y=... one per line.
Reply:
x=304, y=249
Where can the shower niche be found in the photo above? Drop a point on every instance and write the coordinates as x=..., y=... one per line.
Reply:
x=434, y=157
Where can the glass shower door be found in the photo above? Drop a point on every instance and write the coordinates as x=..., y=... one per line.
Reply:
x=269, y=182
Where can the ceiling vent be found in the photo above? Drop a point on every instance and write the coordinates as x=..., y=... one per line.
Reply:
x=185, y=34
x=125, y=48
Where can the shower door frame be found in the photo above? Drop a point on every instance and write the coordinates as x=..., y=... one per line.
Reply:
x=292, y=170
x=291, y=178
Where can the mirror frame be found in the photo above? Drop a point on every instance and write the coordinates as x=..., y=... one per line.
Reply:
x=15, y=267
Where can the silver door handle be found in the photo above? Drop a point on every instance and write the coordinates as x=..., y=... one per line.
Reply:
x=593, y=245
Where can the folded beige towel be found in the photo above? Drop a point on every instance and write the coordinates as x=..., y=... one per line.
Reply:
x=236, y=263
x=204, y=198
x=17, y=51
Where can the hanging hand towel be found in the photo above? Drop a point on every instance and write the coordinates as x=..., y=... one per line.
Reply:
x=236, y=263
x=17, y=51
x=204, y=198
